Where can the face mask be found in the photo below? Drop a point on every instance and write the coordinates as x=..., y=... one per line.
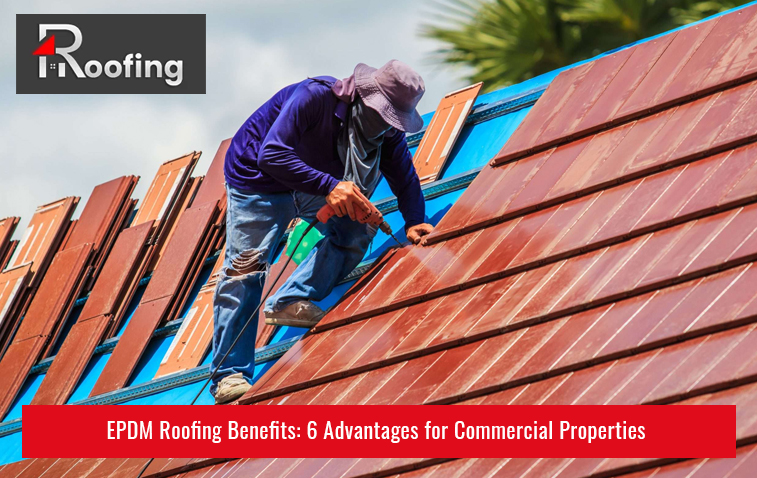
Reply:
x=359, y=146
x=370, y=122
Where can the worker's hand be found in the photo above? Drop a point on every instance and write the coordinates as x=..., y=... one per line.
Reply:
x=415, y=233
x=345, y=198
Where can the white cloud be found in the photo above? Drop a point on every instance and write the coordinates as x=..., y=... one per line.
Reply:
x=54, y=152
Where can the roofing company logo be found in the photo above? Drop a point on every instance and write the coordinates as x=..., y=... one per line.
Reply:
x=94, y=68
x=110, y=54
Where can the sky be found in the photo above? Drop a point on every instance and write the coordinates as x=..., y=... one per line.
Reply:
x=64, y=145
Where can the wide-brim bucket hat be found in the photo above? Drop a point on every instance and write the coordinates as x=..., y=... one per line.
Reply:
x=394, y=91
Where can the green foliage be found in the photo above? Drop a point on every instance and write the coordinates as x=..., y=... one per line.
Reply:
x=502, y=42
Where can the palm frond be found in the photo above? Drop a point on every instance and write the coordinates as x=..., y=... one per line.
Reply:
x=508, y=41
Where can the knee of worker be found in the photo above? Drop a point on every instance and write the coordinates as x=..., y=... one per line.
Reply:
x=237, y=294
x=352, y=235
x=242, y=278
x=248, y=263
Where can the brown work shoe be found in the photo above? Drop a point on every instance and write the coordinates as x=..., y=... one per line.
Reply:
x=230, y=388
x=302, y=313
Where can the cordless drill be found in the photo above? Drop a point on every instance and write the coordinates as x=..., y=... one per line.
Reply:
x=370, y=216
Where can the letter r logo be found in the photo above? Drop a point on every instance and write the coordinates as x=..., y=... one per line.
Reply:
x=49, y=47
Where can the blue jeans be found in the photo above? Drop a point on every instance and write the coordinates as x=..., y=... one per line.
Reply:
x=255, y=226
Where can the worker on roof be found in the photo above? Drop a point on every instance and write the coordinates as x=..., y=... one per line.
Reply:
x=320, y=141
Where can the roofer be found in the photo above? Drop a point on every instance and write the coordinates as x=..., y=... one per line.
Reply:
x=316, y=142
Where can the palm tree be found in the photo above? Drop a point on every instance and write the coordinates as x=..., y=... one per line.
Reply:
x=508, y=41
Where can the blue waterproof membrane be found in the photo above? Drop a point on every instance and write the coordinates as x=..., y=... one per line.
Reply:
x=31, y=385
x=324, y=304
x=478, y=145
x=89, y=377
x=70, y=321
x=10, y=448
x=520, y=89
x=202, y=278
x=150, y=361
x=82, y=390
x=130, y=310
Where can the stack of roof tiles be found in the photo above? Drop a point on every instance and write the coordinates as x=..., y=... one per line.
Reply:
x=51, y=290
x=29, y=261
x=100, y=258
x=605, y=256
x=7, y=246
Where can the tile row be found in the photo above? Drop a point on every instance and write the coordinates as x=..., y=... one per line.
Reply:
x=164, y=294
x=741, y=466
x=658, y=317
x=660, y=375
x=680, y=373
x=190, y=235
x=707, y=126
x=160, y=467
x=74, y=467
x=567, y=229
x=25, y=269
x=642, y=262
x=645, y=78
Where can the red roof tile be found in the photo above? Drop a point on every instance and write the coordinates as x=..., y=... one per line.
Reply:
x=43, y=235
x=165, y=189
x=193, y=340
x=7, y=227
x=181, y=262
x=442, y=132
x=214, y=185
x=113, y=289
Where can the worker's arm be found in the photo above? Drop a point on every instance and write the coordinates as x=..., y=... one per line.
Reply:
x=277, y=156
x=397, y=167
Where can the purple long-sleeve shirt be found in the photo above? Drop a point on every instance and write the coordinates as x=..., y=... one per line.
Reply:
x=289, y=143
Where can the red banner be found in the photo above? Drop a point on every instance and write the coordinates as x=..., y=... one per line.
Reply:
x=398, y=431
